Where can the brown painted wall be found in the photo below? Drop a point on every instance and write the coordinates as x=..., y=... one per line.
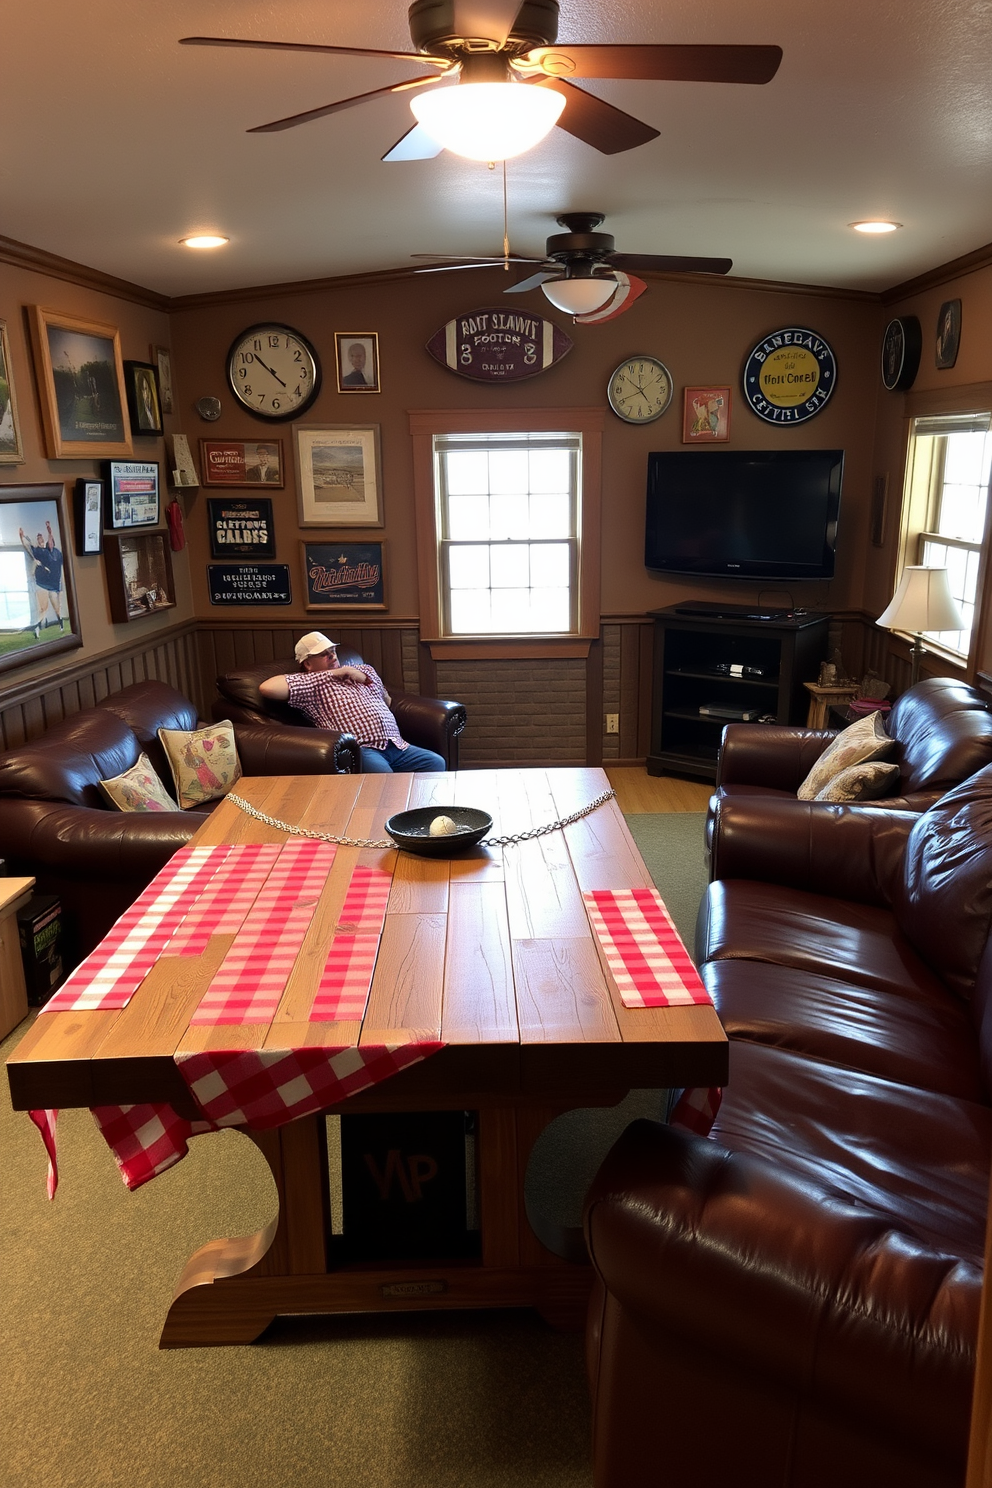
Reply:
x=702, y=332
x=140, y=328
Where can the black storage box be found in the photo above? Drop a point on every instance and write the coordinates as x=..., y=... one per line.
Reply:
x=39, y=926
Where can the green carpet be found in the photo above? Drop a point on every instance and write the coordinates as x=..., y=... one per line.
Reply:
x=671, y=845
x=453, y=1400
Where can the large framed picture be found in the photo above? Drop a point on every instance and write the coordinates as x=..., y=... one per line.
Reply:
x=338, y=472
x=139, y=575
x=37, y=600
x=357, y=361
x=11, y=449
x=81, y=383
x=144, y=406
x=131, y=494
x=241, y=528
x=241, y=462
x=344, y=576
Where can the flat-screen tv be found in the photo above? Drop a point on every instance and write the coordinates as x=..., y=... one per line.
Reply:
x=745, y=514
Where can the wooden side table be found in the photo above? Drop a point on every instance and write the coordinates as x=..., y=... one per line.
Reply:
x=822, y=699
x=14, y=895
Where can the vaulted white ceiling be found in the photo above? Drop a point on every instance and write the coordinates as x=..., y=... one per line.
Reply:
x=115, y=142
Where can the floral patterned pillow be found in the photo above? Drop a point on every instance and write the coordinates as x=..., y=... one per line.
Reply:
x=138, y=789
x=864, y=740
x=865, y=782
x=204, y=763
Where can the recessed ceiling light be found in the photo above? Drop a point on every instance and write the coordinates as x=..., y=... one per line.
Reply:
x=204, y=240
x=875, y=227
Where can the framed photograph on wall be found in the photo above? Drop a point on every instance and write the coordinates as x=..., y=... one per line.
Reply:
x=357, y=361
x=81, y=383
x=144, y=406
x=38, y=614
x=243, y=462
x=948, y=333
x=162, y=357
x=241, y=529
x=139, y=575
x=131, y=496
x=87, y=515
x=338, y=472
x=706, y=415
x=11, y=449
x=341, y=576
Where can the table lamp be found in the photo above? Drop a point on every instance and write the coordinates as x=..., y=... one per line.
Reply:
x=921, y=603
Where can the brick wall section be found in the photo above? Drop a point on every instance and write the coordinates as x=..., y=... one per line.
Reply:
x=611, y=687
x=411, y=661
x=532, y=711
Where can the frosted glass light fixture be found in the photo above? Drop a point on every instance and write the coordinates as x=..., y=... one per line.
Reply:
x=579, y=296
x=875, y=226
x=488, y=121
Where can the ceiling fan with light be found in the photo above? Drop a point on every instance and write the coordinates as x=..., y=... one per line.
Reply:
x=501, y=81
x=582, y=269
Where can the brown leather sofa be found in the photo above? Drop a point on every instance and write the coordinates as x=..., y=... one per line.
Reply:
x=793, y=1300
x=942, y=730
x=432, y=723
x=56, y=825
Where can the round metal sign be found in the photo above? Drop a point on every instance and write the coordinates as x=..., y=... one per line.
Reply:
x=789, y=376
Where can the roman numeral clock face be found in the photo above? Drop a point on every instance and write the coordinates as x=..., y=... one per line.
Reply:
x=640, y=390
x=273, y=372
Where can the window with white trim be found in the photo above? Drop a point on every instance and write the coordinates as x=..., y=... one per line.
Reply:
x=946, y=510
x=508, y=522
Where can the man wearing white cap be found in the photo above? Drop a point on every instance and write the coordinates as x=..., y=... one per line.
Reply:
x=352, y=700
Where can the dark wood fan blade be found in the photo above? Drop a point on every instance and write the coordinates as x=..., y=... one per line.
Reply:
x=535, y=281
x=666, y=263
x=416, y=144
x=676, y=64
x=488, y=20
x=336, y=108
x=308, y=46
x=599, y=124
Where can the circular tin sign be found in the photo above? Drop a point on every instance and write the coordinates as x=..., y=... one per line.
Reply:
x=789, y=376
x=495, y=344
x=902, y=345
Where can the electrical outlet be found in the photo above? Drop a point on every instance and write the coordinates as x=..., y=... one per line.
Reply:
x=613, y=723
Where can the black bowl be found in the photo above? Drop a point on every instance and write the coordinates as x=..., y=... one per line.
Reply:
x=411, y=830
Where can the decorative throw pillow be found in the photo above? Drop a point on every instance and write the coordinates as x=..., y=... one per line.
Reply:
x=204, y=763
x=864, y=740
x=138, y=789
x=864, y=782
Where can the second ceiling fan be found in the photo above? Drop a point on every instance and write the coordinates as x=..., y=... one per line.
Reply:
x=514, y=45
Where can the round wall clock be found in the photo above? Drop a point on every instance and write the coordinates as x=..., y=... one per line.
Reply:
x=640, y=390
x=273, y=371
x=789, y=376
x=902, y=346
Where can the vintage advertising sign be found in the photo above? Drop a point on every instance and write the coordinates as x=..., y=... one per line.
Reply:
x=789, y=376
x=241, y=529
x=499, y=345
x=342, y=575
x=242, y=462
x=249, y=583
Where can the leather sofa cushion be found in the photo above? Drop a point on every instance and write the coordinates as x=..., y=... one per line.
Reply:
x=68, y=762
x=749, y=920
x=146, y=707
x=943, y=730
x=917, y=1036
x=919, y=1158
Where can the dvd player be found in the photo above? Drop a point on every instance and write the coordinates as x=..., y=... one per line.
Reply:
x=711, y=611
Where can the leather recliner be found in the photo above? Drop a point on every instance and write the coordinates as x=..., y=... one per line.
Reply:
x=432, y=723
x=56, y=825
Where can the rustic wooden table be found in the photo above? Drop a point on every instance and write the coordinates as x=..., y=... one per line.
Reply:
x=491, y=952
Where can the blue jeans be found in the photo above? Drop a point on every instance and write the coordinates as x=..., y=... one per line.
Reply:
x=399, y=761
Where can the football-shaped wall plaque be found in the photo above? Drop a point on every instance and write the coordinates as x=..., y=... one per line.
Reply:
x=498, y=345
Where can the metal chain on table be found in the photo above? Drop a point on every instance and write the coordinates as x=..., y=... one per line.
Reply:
x=528, y=836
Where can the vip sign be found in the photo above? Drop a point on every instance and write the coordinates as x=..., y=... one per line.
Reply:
x=789, y=376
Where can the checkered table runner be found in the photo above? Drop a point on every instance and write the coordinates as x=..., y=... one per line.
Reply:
x=643, y=950
x=252, y=977
x=343, y=990
x=222, y=907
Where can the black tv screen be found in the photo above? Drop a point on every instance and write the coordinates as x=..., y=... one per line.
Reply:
x=746, y=514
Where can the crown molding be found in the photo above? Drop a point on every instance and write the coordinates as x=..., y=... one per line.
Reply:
x=40, y=261
x=968, y=263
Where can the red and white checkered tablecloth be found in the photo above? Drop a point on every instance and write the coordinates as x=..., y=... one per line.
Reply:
x=225, y=902
x=343, y=990
x=643, y=949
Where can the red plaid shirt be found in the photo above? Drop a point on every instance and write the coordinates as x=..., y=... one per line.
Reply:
x=349, y=707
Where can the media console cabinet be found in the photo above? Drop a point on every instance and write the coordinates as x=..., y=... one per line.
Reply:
x=714, y=666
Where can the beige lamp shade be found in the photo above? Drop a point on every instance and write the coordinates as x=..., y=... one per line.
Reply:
x=922, y=602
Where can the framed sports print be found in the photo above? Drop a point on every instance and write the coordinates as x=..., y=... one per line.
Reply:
x=131, y=495
x=11, y=449
x=344, y=576
x=243, y=462
x=339, y=475
x=88, y=516
x=143, y=403
x=81, y=383
x=706, y=415
x=357, y=361
x=241, y=529
x=37, y=599
x=948, y=334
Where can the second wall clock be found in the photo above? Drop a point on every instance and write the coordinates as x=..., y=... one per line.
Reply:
x=274, y=372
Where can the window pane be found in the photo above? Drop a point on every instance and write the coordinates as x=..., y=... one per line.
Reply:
x=550, y=609
x=961, y=512
x=966, y=459
x=550, y=471
x=470, y=611
x=550, y=565
x=508, y=517
x=467, y=473
x=508, y=471
x=510, y=566
x=468, y=567
x=550, y=516
x=468, y=517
